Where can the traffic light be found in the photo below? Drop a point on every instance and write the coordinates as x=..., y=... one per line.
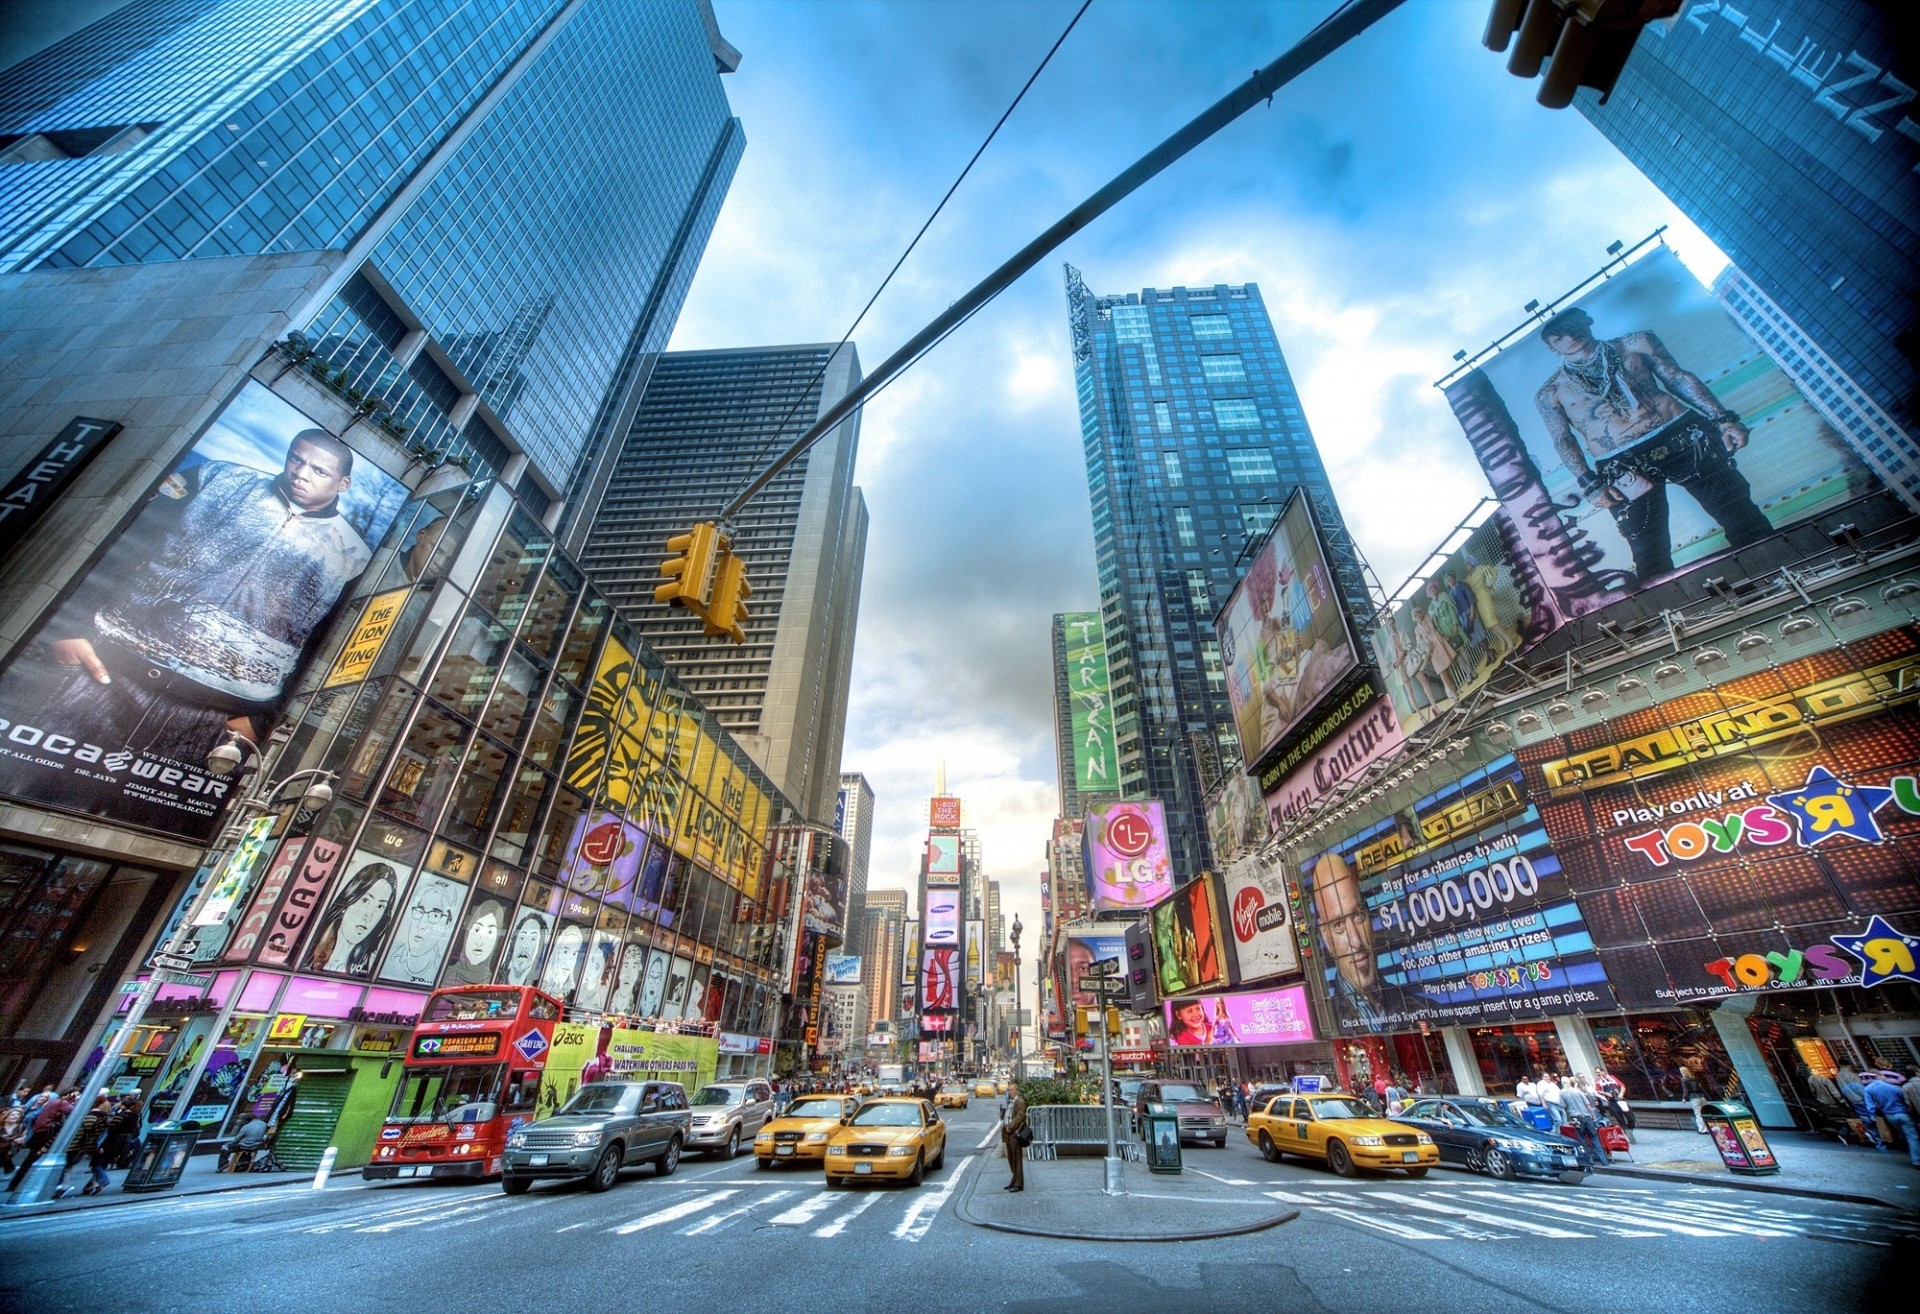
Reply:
x=727, y=610
x=1137, y=968
x=1583, y=43
x=690, y=575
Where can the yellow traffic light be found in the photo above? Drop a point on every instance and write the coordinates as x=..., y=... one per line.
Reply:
x=690, y=575
x=727, y=609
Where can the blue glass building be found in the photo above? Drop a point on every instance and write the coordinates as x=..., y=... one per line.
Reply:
x=530, y=182
x=1195, y=440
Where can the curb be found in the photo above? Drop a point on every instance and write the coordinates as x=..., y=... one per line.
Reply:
x=963, y=1212
x=10, y=1212
x=1747, y=1184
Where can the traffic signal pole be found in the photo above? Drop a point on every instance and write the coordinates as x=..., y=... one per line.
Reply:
x=1345, y=24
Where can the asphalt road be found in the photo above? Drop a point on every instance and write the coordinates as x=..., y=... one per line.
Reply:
x=724, y=1236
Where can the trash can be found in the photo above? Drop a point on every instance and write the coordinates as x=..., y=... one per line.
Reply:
x=1539, y=1118
x=1737, y=1136
x=163, y=1157
x=1162, y=1134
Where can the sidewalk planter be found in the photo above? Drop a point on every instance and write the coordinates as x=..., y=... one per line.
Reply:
x=1737, y=1136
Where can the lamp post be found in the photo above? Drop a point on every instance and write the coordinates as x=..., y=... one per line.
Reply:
x=49, y=1168
x=1018, y=1039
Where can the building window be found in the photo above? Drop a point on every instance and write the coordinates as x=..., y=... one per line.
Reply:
x=1199, y=593
x=1211, y=327
x=1256, y=519
x=1252, y=467
x=1236, y=414
x=1162, y=418
x=1175, y=476
x=1223, y=369
x=1183, y=520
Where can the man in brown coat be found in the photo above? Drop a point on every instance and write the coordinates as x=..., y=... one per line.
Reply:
x=1011, y=1126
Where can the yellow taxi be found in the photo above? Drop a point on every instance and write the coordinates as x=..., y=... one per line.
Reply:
x=801, y=1132
x=985, y=1090
x=1341, y=1130
x=897, y=1138
x=1000, y=1086
x=951, y=1097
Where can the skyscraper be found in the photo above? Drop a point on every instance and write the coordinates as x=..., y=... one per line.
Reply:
x=1787, y=133
x=709, y=420
x=1195, y=440
x=853, y=818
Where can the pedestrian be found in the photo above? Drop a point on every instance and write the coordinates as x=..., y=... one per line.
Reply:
x=1854, y=1092
x=44, y=1127
x=1885, y=1100
x=1395, y=1095
x=1695, y=1094
x=13, y=1121
x=90, y=1143
x=249, y=1140
x=1584, y=1109
x=1910, y=1092
x=1014, y=1137
x=1552, y=1099
x=123, y=1131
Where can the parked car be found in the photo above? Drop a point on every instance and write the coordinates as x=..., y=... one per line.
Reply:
x=606, y=1126
x=1485, y=1136
x=902, y=1139
x=1342, y=1131
x=728, y=1113
x=1200, y=1117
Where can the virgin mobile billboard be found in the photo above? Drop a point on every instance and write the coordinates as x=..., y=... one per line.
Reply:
x=1640, y=431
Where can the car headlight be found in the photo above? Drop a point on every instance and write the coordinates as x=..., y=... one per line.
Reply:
x=1421, y=1138
x=764, y=1138
x=1219, y=1122
x=899, y=1151
x=1369, y=1140
x=816, y=1138
x=516, y=1138
x=584, y=1139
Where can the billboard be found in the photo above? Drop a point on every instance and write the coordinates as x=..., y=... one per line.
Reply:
x=1096, y=753
x=1236, y=821
x=943, y=812
x=1260, y=1017
x=1460, y=626
x=976, y=951
x=193, y=621
x=1745, y=838
x=1186, y=939
x=1085, y=949
x=1453, y=911
x=910, y=957
x=1125, y=850
x=939, y=980
x=1283, y=636
x=943, y=859
x=1259, y=928
x=940, y=928
x=843, y=969
x=1639, y=431
x=1373, y=733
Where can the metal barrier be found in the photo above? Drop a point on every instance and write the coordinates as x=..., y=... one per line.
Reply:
x=1078, y=1127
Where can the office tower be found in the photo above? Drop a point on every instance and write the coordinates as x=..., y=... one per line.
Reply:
x=708, y=421
x=853, y=818
x=1786, y=132
x=884, y=929
x=1195, y=440
x=1086, y=754
x=449, y=148
x=996, y=933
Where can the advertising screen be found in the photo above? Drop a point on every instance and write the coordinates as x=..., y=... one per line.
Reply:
x=1258, y=927
x=1371, y=734
x=1186, y=939
x=1283, y=636
x=193, y=622
x=1236, y=821
x=1085, y=950
x=943, y=812
x=1639, y=431
x=939, y=980
x=941, y=925
x=976, y=949
x=1452, y=911
x=943, y=859
x=1259, y=1017
x=1472, y=613
x=910, y=958
x=1125, y=850
x=1096, y=753
x=1747, y=839
x=843, y=969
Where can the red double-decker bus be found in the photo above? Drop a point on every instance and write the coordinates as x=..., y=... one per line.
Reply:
x=473, y=1068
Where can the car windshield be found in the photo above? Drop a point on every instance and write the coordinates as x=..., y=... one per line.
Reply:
x=710, y=1096
x=953, y=1090
x=598, y=1098
x=1340, y=1108
x=1178, y=1090
x=887, y=1115
x=448, y=1093
x=815, y=1109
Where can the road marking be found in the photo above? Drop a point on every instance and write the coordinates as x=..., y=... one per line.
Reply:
x=422, y=1216
x=992, y=1136
x=1506, y=1219
x=839, y=1225
x=1616, y=1212
x=719, y=1221
x=803, y=1212
x=1380, y=1224
x=925, y=1209
x=672, y=1212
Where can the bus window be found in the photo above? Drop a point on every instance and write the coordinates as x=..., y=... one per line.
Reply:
x=522, y=1091
x=452, y=1094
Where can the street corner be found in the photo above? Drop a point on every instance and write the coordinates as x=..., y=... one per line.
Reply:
x=1065, y=1199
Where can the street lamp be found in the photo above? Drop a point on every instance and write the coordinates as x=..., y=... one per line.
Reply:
x=1018, y=1036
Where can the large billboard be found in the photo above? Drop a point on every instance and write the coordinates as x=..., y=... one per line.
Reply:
x=939, y=980
x=1283, y=636
x=1125, y=850
x=193, y=622
x=1255, y=916
x=976, y=950
x=1452, y=911
x=910, y=955
x=1461, y=624
x=1186, y=939
x=1742, y=839
x=1639, y=431
x=1096, y=753
x=843, y=969
x=1370, y=734
x=940, y=926
x=1085, y=949
x=1236, y=820
x=1258, y=1017
x=943, y=858
x=943, y=812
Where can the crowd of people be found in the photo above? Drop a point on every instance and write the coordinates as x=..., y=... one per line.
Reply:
x=1887, y=1104
x=108, y=1137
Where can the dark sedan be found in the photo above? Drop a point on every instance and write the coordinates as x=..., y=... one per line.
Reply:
x=1485, y=1136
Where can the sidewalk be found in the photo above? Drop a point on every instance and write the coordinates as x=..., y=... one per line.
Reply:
x=1811, y=1166
x=198, y=1178
x=1064, y=1199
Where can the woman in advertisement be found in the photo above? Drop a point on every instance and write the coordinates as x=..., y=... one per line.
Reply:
x=486, y=927
x=523, y=950
x=351, y=932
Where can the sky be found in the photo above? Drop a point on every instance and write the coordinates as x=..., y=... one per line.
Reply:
x=1402, y=201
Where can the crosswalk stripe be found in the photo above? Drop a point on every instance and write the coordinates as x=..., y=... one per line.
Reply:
x=926, y=1208
x=1401, y=1230
x=803, y=1212
x=420, y=1217
x=1614, y=1213
x=660, y=1217
x=1505, y=1220
x=719, y=1221
x=839, y=1225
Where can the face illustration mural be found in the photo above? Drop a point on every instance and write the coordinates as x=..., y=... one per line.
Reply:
x=627, y=982
x=656, y=985
x=353, y=929
x=425, y=930
x=1345, y=924
x=524, y=952
x=483, y=933
x=563, y=964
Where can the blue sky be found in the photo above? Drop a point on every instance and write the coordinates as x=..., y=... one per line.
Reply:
x=1402, y=201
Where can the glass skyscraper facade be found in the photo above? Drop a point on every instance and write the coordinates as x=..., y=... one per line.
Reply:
x=1787, y=132
x=534, y=179
x=1194, y=441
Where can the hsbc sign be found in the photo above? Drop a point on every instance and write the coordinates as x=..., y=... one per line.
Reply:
x=1263, y=944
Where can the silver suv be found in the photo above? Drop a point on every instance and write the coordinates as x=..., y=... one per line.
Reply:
x=728, y=1115
x=606, y=1126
